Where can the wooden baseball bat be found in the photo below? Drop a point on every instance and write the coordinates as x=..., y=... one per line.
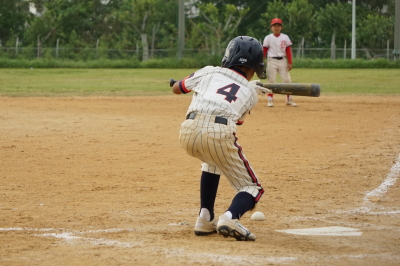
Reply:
x=300, y=89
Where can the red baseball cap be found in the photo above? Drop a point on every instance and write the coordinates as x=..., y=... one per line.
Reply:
x=275, y=21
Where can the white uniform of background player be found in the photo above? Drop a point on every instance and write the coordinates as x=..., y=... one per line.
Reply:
x=278, y=47
x=222, y=98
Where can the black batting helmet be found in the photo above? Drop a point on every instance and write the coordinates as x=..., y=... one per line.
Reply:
x=244, y=51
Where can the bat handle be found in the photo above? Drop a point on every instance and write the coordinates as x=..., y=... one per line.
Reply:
x=171, y=82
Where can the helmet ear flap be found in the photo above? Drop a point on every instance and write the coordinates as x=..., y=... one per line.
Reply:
x=223, y=61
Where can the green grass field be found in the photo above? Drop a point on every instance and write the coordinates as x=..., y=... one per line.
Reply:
x=134, y=82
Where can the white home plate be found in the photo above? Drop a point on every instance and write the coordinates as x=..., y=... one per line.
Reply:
x=324, y=231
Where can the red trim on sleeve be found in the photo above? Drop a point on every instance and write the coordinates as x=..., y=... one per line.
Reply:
x=182, y=86
x=265, y=49
x=289, y=54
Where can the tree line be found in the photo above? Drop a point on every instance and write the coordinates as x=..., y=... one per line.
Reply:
x=149, y=25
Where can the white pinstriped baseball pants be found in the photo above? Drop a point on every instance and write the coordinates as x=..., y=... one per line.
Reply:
x=215, y=145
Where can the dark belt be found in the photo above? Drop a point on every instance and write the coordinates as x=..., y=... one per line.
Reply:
x=218, y=119
x=278, y=58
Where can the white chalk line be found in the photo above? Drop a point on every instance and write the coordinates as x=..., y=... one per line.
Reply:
x=231, y=259
x=388, y=182
x=327, y=220
x=73, y=237
x=369, y=206
x=68, y=237
x=383, y=256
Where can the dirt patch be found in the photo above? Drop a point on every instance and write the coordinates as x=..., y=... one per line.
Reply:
x=103, y=181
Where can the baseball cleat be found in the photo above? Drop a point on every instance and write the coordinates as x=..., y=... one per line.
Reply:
x=233, y=228
x=203, y=227
x=291, y=103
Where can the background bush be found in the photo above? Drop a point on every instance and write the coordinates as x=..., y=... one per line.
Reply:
x=193, y=62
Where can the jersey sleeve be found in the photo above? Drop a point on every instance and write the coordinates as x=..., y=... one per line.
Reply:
x=289, y=54
x=288, y=41
x=265, y=50
x=265, y=42
x=241, y=119
x=187, y=84
x=182, y=86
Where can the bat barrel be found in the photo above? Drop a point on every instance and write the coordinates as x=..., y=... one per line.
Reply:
x=300, y=89
x=315, y=90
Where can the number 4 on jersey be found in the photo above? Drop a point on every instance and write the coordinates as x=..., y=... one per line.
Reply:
x=229, y=91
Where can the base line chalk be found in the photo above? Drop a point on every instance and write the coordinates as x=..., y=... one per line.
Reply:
x=389, y=181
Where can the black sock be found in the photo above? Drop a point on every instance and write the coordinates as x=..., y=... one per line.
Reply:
x=208, y=191
x=241, y=203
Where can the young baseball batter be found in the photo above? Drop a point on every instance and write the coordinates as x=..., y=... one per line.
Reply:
x=278, y=47
x=222, y=98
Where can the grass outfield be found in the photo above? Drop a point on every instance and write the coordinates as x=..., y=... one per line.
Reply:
x=134, y=82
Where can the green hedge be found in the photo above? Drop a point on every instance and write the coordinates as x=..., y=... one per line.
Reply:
x=198, y=62
x=341, y=63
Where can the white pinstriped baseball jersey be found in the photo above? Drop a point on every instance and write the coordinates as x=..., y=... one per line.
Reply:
x=226, y=93
x=277, y=44
x=220, y=91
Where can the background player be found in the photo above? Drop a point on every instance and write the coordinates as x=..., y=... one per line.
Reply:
x=278, y=47
x=223, y=96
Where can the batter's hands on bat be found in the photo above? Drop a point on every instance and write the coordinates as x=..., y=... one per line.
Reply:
x=175, y=86
x=260, y=90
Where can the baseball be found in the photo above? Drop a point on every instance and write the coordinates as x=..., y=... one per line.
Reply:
x=258, y=216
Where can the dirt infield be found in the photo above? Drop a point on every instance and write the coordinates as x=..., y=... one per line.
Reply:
x=103, y=181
